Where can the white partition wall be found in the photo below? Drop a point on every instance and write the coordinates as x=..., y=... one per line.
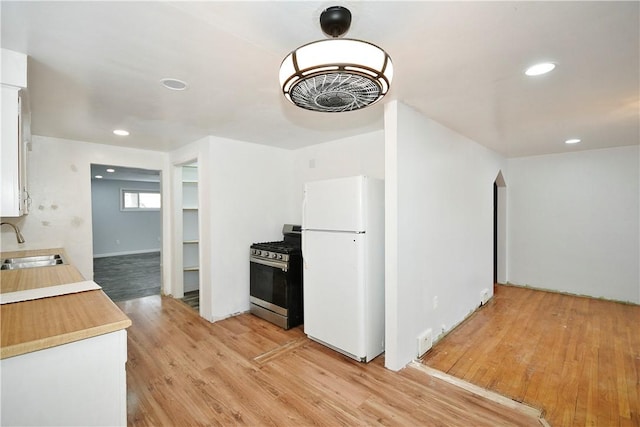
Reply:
x=244, y=196
x=439, y=229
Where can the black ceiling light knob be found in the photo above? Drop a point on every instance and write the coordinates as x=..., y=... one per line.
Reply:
x=335, y=20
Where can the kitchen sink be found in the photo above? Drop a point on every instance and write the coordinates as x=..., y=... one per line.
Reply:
x=31, y=262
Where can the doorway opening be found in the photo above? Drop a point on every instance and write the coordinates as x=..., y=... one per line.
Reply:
x=499, y=230
x=190, y=236
x=126, y=214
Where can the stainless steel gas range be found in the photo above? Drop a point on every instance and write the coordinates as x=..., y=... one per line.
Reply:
x=276, y=279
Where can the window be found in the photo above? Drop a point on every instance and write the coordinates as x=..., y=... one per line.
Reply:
x=139, y=200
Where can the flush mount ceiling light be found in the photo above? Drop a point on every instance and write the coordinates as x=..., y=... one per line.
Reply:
x=98, y=176
x=174, y=84
x=121, y=132
x=539, y=69
x=572, y=141
x=111, y=170
x=336, y=75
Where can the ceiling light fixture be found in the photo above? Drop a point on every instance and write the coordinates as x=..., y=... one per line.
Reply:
x=111, y=170
x=572, y=141
x=121, y=132
x=99, y=176
x=336, y=75
x=539, y=69
x=174, y=84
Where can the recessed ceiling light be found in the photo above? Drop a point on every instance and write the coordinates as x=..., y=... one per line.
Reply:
x=111, y=170
x=572, y=141
x=99, y=176
x=539, y=69
x=174, y=84
x=121, y=132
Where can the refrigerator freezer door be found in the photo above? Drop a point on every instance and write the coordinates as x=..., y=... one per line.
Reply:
x=335, y=204
x=334, y=289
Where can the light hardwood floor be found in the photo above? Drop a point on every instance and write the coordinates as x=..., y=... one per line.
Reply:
x=185, y=371
x=577, y=359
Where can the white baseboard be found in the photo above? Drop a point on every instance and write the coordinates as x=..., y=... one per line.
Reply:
x=143, y=251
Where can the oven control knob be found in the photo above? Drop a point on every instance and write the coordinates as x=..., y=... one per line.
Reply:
x=274, y=255
x=279, y=256
x=265, y=254
x=258, y=252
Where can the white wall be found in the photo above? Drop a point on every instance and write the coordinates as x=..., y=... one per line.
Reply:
x=439, y=228
x=573, y=222
x=251, y=193
x=358, y=155
x=117, y=232
x=60, y=186
x=245, y=196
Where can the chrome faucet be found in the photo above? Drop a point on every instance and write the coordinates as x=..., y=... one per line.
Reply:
x=19, y=235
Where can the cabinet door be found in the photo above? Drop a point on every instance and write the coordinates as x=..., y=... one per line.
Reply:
x=24, y=139
x=10, y=148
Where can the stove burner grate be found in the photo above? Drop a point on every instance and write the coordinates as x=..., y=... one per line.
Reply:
x=282, y=247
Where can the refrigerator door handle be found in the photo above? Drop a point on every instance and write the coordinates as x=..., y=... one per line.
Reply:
x=304, y=246
x=304, y=252
x=304, y=210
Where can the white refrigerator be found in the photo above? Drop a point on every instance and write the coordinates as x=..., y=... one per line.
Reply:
x=343, y=265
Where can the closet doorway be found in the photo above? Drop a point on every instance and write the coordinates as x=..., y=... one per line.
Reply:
x=190, y=236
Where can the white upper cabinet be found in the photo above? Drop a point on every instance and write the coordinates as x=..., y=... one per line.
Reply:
x=14, y=135
x=14, y=69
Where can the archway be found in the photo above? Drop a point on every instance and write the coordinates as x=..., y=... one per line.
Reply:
x=499, y=229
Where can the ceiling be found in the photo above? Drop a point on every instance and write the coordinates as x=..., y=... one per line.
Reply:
x=119, y=173
x=97, y=66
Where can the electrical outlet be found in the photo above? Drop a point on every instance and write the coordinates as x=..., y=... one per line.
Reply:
x=435, y=302
x=425, y=341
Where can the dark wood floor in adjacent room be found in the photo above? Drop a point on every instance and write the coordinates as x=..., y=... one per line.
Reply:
x=124, y=277
x=185, y=371
x=577, y=359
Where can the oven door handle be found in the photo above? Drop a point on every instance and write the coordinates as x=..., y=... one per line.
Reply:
x=277, y=264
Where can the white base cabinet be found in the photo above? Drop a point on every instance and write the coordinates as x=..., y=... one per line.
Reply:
x=82, y=383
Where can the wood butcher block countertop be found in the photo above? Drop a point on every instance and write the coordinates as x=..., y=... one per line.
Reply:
x=47, y=322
